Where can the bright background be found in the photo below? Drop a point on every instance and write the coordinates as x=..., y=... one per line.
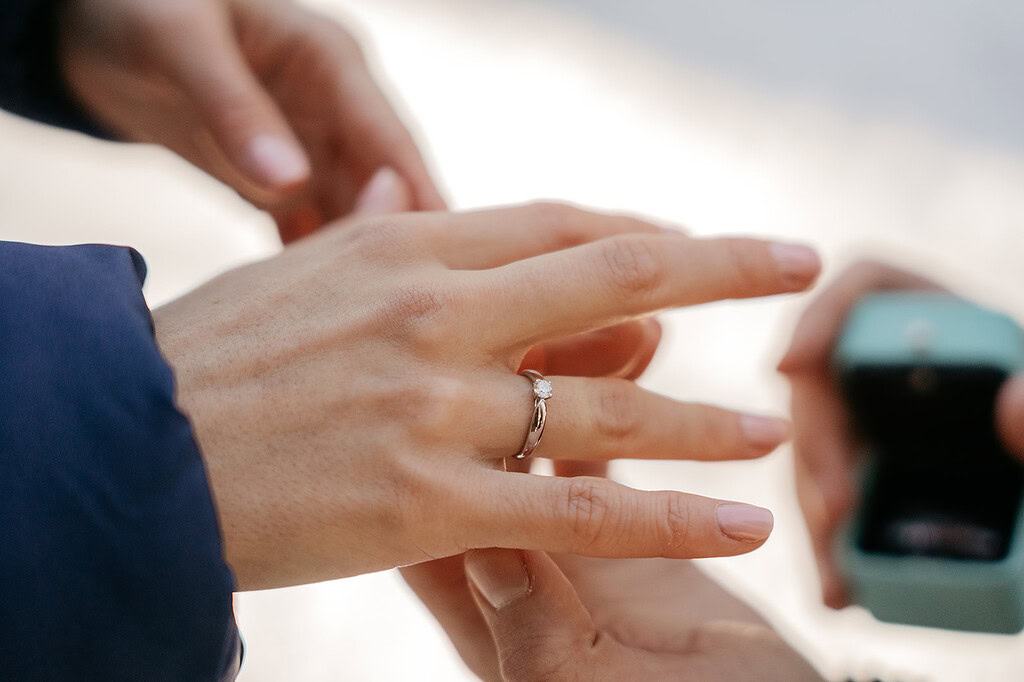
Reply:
x=888, y=129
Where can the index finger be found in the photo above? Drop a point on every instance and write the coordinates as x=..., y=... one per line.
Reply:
x=617, y=278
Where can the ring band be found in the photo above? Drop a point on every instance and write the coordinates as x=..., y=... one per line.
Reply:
x=541, y=392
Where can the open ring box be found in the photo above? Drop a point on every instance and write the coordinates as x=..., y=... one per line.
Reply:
x=938, y=538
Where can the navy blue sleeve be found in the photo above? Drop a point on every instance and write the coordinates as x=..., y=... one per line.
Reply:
x=110, y=553
x=31, y=84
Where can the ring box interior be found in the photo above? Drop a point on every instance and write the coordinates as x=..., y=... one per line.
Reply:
x=938, y=537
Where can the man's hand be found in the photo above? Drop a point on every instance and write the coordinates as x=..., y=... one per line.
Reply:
x=274, y=100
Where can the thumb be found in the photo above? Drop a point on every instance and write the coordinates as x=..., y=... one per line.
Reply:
x=1010, y=415
x=247, y=127
x=533, y=612
x=386, y=192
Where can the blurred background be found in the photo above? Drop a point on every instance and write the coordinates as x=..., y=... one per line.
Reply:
x=888, y=129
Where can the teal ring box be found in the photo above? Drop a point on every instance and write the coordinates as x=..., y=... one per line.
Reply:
x=938, y=536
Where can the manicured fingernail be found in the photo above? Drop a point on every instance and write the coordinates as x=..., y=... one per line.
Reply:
x=744, y=522
x=277, y=161
x=499, y=574
x=378, y=190
x=764, y=432
x=798, y=264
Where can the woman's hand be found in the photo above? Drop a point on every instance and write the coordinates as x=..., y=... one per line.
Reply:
x=272, y=99
x=355, y=396
x=568, y=618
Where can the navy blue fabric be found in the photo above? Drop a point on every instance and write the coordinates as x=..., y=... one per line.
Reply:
x=31, y=84
x=110, y=553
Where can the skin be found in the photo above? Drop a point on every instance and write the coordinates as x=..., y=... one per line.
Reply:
x=355, y=396
x=271, y=98
x=544, y=618
x=279, y=103
x=824, y=446
x=516, y=615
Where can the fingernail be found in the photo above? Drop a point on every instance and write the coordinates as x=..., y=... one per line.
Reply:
x=378, y=190
x=277, y=161
x=499, y=574
x=764, y=432
x=744, y=522
x=798, y=264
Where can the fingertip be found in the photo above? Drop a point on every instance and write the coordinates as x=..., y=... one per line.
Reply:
x=298, y=221
x=276, y=162
x=499, y=575
x=385, y=192
x=764, y=434
x=798, y=264
x=1010, y=414
x=836, y=599
x=648, y=346
x=812, y=342
x=654, y=329
x=652, y=337
x=833, y=588
x=744, y=522
x=791, y=362
x=833, y=593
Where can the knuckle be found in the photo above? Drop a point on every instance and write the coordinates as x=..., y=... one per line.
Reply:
x=418, y=314
x=566, y=224
x=675, y=526
x=536, y=659
x=417, y=304
x=553, y=213
x=416, y=499
x=404, y=484
x=619, y=417
x=748, y=265
x=717, y=435
x=632, y=266
x=433, y=408
x=587, y=507
x=381, y=238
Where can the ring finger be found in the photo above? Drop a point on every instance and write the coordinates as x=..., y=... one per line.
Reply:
x=603, y=419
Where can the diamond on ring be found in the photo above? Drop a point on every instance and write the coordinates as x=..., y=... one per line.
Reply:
x=541, y=392
x=542, y=388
